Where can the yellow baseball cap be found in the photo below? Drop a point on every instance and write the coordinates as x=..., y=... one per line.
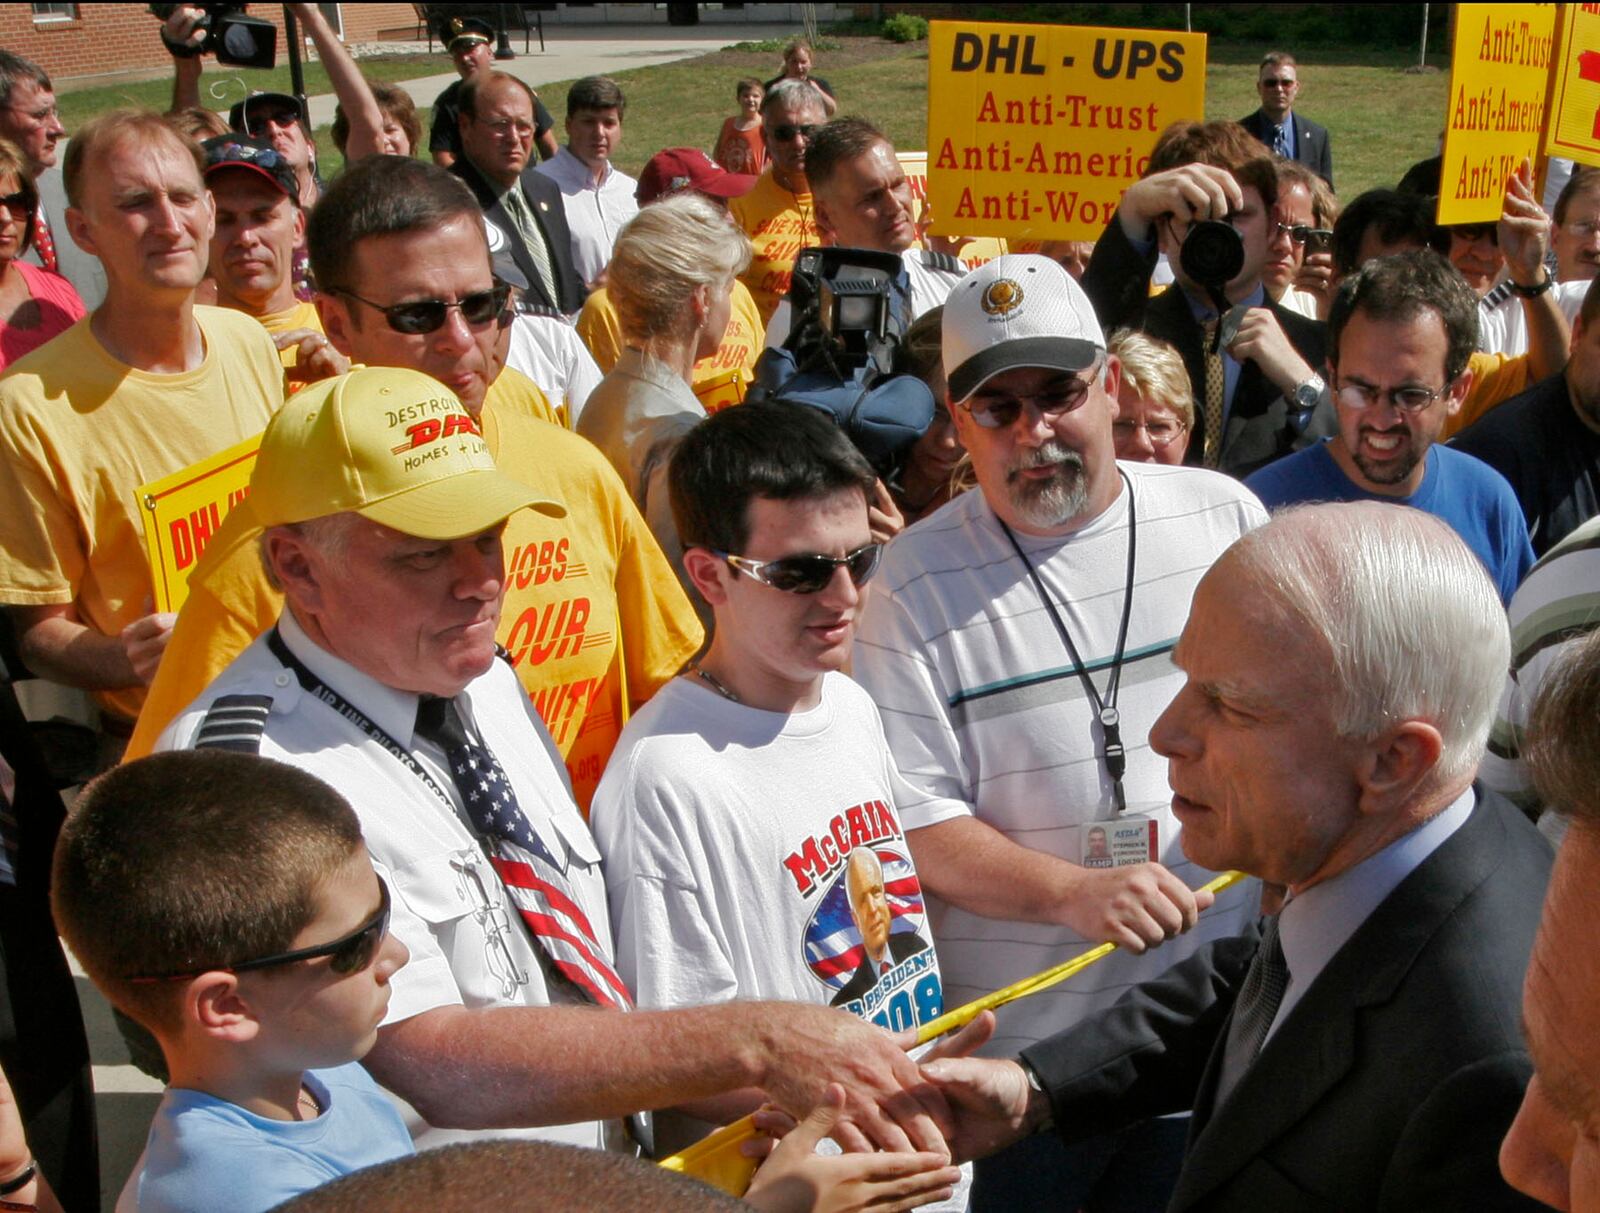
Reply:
x=392, y=445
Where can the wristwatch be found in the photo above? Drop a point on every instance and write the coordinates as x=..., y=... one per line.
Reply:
x=1531, y=292
x=1035, y=1085
x=1306, y=396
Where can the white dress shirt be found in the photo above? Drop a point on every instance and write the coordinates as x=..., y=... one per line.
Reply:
x=595, y=213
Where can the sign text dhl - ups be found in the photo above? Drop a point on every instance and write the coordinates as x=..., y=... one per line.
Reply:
x=1036, y=130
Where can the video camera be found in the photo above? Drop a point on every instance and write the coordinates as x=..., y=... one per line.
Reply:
x=230, y=36
x=850, y=309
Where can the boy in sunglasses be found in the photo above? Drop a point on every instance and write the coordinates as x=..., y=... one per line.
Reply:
x=748, y=819
x=228, y=904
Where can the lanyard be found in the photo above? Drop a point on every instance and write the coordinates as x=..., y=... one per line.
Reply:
x=321, y=690
x=1112, y=752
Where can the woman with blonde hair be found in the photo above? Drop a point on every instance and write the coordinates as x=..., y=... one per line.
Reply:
x=35, y=304
x=671, y=281
x=1155, y=404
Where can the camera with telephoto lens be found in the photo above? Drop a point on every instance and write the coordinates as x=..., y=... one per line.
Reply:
x=230, y=36
x=1212, y=253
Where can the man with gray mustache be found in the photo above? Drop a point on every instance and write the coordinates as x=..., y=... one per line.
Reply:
x=1018, y=643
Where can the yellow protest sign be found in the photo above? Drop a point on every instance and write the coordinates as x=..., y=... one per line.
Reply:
x=1499, y=73
x=182, y=512
x=1574, y=127
x=974, y=250
x=1035, y=131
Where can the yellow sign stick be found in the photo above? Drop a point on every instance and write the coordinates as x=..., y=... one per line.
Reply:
x=717, y=1160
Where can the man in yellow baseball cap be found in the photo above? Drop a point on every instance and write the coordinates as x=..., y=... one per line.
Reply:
x=382, y=517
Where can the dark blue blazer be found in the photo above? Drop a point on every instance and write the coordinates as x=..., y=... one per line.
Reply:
x=1310, y=142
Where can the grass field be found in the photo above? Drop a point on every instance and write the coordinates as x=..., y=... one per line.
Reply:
x=220, y=87
x=1382, y=118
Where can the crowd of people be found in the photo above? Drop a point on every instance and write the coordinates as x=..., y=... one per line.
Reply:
x=573, y=737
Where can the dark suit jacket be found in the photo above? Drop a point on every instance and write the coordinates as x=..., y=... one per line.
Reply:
x=1389, y=1085
x=901, y=945
x=1552, y=459
x=1310, y=142
x=1258, y=428
x=544, y=199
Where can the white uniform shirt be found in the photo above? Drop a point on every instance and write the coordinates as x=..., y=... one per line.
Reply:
x=468, y=945
x=549, y=351
x=595, y=214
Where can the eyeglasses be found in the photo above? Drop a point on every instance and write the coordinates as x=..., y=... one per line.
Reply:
x=1583, y=228
x=1474, y=232
x=998, y=412
x=427, y=315
x=807, y=574
x=1160, y=433
x=786, y=133
x=1410, y=399
x=40, y=115
x=1275, y=83
x=1301, y=232
x=348, y=954
x=502, y=126
x=15, y=202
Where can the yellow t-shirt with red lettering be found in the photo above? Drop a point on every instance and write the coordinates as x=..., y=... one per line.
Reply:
x=720, y=378
x=81, y=431
x=779, y=223
x=594, y=619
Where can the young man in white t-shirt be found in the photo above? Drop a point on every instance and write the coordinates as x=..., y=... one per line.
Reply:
x=748, y=819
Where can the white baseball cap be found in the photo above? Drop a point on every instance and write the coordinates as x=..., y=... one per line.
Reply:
x=1020, y=310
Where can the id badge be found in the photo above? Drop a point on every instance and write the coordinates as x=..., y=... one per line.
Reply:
x=1128, y=838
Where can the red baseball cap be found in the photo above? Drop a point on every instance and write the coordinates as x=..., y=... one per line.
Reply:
x=688, y=168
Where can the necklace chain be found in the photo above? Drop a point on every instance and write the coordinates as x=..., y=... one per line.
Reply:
x=715, y=683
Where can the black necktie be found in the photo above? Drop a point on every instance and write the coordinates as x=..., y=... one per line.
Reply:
x=534, y=880
x=1254, y=1009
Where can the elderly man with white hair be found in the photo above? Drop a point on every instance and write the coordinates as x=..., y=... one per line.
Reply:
x=1360, y=1049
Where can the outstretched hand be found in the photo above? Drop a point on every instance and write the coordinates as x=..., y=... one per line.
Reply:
x=796, y=1179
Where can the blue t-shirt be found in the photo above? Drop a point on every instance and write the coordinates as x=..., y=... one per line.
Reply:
x=204, y=1153
x=1467, y=493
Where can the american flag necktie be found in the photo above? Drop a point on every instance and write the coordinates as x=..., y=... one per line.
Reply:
x=43, y=241
x=533, y=879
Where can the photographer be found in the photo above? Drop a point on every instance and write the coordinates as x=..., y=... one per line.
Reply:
x=277, y=117
x=1256, y=386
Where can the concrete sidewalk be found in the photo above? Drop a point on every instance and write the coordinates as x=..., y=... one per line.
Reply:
x=574, y=51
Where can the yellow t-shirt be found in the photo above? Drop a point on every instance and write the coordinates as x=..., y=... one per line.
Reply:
x=300, y=316
x=1495, y=379
x=80, y=432
x=779, y=224
x=720, y=378
x=593, y=618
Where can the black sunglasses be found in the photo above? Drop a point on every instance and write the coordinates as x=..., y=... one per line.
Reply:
x=427, y=315
x=786, y=132
x=807, y=574
x=15, y=202
x=348, y=954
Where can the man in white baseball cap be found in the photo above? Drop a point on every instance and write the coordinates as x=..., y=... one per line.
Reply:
x=1019, y=646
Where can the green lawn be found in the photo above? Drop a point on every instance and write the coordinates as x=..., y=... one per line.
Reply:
x=220, y=87
x=1382, y=118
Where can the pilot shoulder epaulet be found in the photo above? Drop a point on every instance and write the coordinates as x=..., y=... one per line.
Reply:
x=234, y=722
x=947, y=262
